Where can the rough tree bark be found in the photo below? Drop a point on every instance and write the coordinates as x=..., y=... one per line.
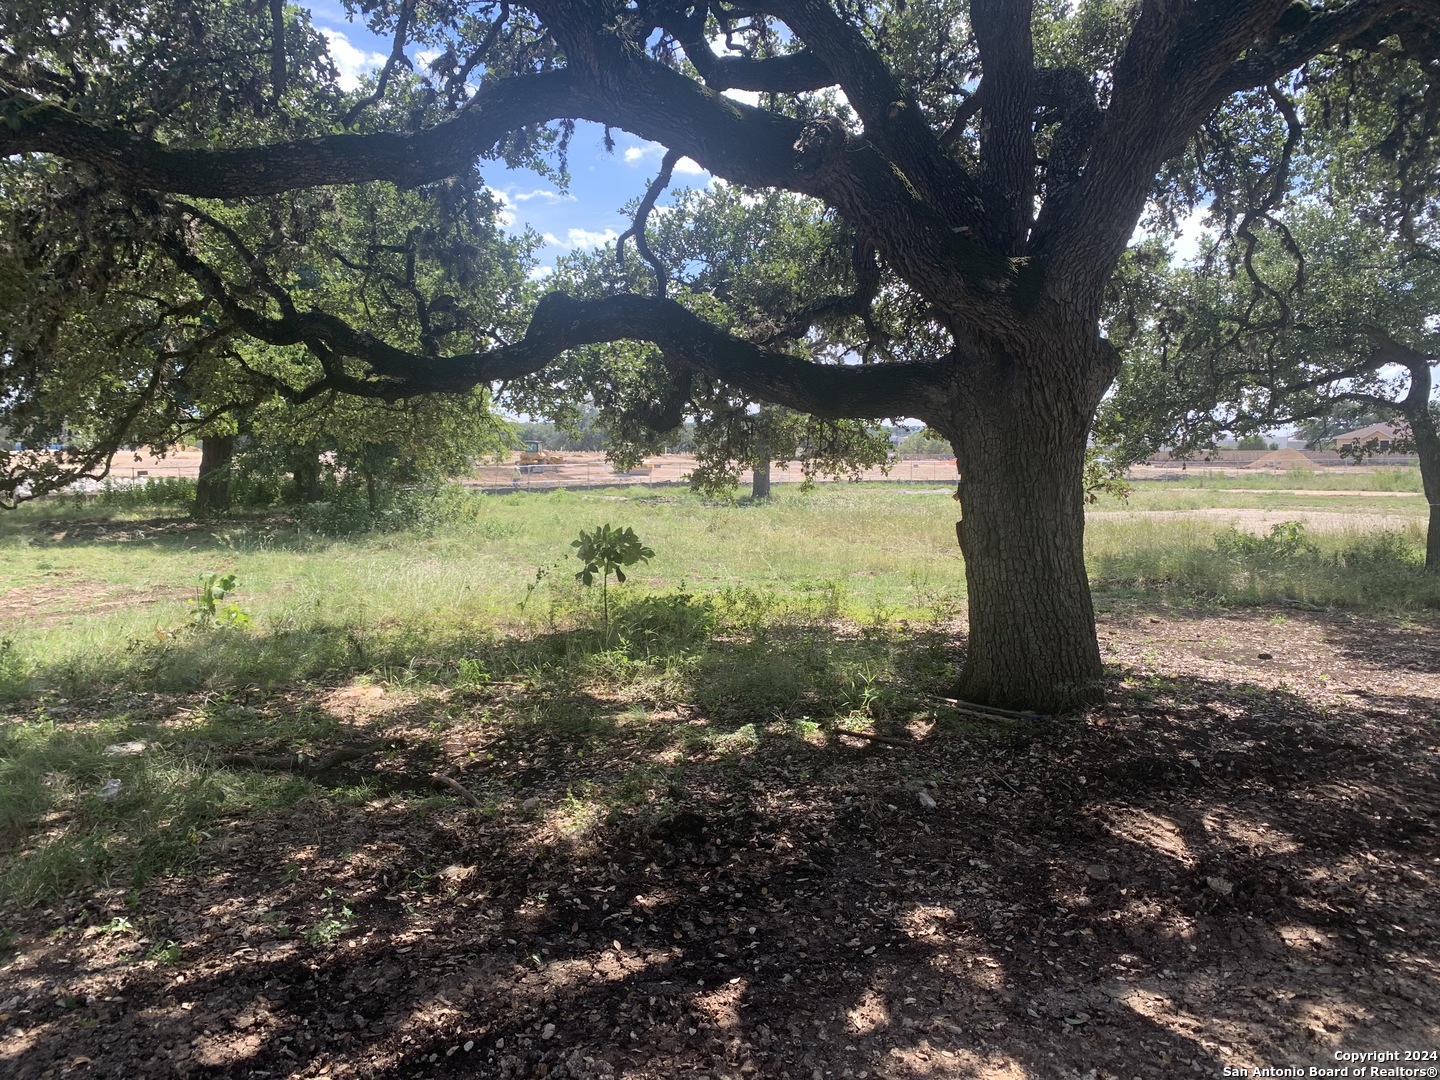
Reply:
x=1019, y=438
x=212, y=489
x=760, y=477
x=1427, y=448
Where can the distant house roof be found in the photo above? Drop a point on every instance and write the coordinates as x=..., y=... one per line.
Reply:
x=1379, y=432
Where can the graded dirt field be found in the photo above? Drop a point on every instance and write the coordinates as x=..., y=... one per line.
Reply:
x=580, y=468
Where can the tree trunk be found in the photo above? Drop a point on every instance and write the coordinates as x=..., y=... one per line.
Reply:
x=212, y=489
x=1427, y=449
x=760, y=478
x=305, y=468
x=372, y=496
x=1020, y=447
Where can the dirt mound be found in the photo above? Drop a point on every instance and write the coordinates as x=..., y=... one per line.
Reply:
x=1283, y=459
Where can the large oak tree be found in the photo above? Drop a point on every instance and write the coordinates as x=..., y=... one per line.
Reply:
x=990, y=158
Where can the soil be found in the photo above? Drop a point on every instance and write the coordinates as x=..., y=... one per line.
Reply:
x=1283, y=459
x=1262, y=521
x=1233, y=863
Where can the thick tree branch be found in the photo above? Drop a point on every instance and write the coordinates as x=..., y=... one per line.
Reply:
x=892, y=122
x=407, y=160
x=561, y=323
x=1007, y=148
x=1320, y=34
x=793, y=73
x=1068, y=92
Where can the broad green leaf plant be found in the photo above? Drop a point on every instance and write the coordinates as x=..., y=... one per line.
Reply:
x=606, y=551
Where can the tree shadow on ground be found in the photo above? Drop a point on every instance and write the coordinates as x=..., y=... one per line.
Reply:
x=1205, y=872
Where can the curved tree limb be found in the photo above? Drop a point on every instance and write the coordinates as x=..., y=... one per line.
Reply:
x=560, y=323
x=642, y=215
x=406, y=160
x=1325, y=31
x=397, y=56
x=892, y=122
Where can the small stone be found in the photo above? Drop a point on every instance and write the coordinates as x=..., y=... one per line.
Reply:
x=1266, y=656
x=1220, y=885
x=531, y=804
x=548, y=1031
x=926, y=800
x=1098, y=871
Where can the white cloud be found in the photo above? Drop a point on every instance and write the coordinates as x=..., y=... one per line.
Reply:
x=425, y=57
x=352, y=63
x=588, y=238
x=506, y=215
x=551, y=239
x=540, y=273
x=745, y=97
x=541, y=193
x=1193, y=233
x=634, y=155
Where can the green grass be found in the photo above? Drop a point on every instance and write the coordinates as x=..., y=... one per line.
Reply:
x=1353, y=478
x=81, y=806
x=782, y=620
x=109, y=608
x=1211, y=562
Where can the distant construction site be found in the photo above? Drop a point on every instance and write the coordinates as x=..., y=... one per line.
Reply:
x=531, y=471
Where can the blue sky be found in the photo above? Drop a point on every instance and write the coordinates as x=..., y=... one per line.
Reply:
x=588, y=214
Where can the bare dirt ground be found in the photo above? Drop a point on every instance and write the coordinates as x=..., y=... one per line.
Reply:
x=577, y=468
x=1262, y=521
x=588, y=468
x=1234, y=863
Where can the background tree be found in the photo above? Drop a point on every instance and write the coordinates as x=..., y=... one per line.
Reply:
x=1323, y=306
x=992, y=158
x=1318, y=432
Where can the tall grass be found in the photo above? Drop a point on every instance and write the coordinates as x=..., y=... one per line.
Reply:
x=85, y=610
x=1353, y=478
x=1214, y=563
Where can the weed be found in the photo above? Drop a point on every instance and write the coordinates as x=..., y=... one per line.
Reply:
x=471, y=672
x=207, y=611
x=607, y=551
x=1285, y=542
x=334, y=924
x=166, y=953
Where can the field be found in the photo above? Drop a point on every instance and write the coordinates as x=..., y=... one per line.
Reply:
x=405, y=804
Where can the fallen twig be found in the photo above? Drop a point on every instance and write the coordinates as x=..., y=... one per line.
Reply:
x=1012, y=787
x=455, y=788
x=872, y=737
x=988, y=711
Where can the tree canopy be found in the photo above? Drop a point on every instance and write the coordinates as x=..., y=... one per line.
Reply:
x=980, y=166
